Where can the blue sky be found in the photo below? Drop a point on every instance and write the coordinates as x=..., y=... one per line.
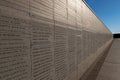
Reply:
x=108, y=11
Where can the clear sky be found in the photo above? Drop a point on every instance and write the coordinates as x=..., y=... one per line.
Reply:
x=108, y=11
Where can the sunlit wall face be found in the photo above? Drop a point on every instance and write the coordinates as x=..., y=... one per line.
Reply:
x=49, y=39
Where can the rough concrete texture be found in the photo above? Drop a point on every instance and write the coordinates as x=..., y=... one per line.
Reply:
x=49, y=39
x=111, y=67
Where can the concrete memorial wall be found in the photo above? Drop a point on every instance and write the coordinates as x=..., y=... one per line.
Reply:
x=49, y=39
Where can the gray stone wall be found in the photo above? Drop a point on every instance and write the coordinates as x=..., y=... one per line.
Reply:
x=49, y=39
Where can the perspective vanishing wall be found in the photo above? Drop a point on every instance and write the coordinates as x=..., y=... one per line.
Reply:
x=48, y=39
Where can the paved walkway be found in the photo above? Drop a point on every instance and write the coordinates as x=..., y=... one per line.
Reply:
x=111, y=67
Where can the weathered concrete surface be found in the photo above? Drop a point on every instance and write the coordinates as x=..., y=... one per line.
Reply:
x=111, y=67
x=49, y=39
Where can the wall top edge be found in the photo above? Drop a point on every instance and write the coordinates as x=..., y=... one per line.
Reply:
x=95, y=15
